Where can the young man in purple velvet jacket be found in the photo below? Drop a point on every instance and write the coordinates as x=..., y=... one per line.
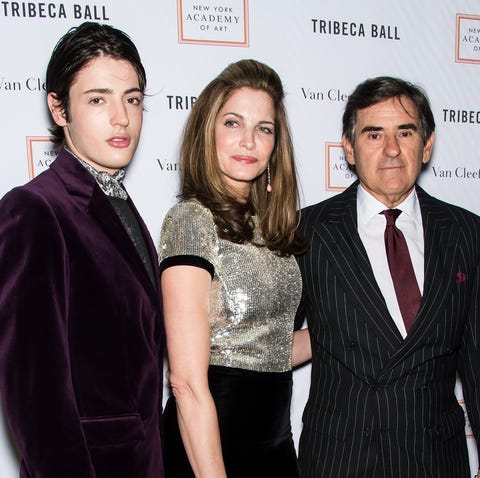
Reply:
x=81, y=334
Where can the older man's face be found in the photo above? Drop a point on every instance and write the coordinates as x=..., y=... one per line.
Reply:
x=389, y=151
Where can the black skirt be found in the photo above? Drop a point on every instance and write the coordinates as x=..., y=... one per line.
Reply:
x=253, y=411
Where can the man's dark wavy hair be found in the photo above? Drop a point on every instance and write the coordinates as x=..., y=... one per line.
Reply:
x=376, y=90
x=75, y=50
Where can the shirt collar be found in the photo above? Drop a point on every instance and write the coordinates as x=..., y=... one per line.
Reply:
x=369, y=207
x=110, y=184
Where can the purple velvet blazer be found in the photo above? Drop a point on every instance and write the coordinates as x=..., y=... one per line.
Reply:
x=81, y=334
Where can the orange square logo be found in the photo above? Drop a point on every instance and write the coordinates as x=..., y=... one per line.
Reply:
x=467, y=45
x=213, y=22
x=40, y=153
x=338, y=175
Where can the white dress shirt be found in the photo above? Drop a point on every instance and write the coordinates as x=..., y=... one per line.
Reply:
x=371, y=228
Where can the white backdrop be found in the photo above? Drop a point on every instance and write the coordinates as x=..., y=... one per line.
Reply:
x=321, y=49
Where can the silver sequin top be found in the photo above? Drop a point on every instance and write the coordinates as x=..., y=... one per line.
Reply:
x=254, y=293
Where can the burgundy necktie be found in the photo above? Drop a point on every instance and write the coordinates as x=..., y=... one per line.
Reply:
x=401, y=269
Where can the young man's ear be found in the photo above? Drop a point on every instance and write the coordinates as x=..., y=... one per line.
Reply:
x=56, y=110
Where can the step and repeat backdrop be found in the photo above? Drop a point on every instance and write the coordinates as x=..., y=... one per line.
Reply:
x=321, y=50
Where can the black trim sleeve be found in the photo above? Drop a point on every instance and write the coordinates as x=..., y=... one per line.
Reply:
x=187, y=260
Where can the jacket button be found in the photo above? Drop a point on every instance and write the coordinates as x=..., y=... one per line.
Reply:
x=351, y=345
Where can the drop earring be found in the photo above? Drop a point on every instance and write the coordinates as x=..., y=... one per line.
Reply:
x=269, y=186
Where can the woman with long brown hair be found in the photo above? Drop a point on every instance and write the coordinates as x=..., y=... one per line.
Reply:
x=231, y=285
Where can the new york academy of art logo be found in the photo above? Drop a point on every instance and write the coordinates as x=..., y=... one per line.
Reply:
x=338, y=175
x=213, y=22
x=40, y=154
x=467, y=44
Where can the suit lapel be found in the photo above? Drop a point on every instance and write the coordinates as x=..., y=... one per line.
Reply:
x=338, y=232
x=108, y=219
x=80, y=183
x=152, y=252
x=441, y=233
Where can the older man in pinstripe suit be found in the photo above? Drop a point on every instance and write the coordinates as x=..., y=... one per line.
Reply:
x=382, y=400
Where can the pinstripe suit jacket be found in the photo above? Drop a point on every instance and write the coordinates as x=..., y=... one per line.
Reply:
x=381, y=406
